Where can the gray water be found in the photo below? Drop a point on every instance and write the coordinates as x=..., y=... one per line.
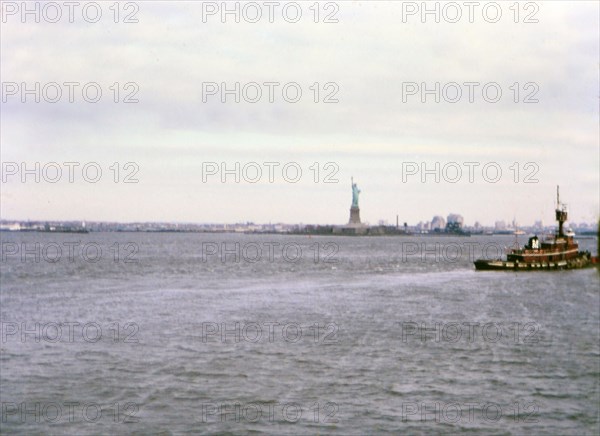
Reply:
x=365, y=339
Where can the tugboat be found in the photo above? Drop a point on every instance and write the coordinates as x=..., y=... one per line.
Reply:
x=558, y=252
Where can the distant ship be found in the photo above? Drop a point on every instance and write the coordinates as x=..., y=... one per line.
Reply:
x=65, y=229
x=559, y=251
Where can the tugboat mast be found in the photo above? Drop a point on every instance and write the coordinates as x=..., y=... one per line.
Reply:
x=561, y=213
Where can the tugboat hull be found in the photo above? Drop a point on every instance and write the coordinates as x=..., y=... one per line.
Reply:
x=581, y=261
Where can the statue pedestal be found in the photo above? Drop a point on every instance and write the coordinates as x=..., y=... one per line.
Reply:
x=354, y=226
x=354, y=215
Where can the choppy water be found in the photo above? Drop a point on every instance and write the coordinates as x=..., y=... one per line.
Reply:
x=378, y=341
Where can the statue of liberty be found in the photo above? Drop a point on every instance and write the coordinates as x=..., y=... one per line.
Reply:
x=354, y=210
x=355, y=192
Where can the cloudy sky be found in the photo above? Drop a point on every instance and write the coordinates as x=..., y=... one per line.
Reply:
x=377, y=125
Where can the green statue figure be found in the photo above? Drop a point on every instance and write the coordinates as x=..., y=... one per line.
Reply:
x=355, y=192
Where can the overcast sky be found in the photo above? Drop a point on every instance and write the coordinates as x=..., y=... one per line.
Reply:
x=373, y=133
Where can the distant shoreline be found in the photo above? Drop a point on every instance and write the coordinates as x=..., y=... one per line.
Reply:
x=582, y=235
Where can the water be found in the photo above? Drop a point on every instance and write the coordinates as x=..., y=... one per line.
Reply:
x=378, y=341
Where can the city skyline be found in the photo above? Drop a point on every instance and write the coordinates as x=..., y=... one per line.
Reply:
x=547, y=216
x=437, y=221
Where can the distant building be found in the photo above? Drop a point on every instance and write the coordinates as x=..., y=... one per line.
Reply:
x=454, y=223
x=438, y=223
x=12, y=227
x=500, y=225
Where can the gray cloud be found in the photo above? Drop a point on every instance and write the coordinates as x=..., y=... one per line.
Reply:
x=369, y=133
